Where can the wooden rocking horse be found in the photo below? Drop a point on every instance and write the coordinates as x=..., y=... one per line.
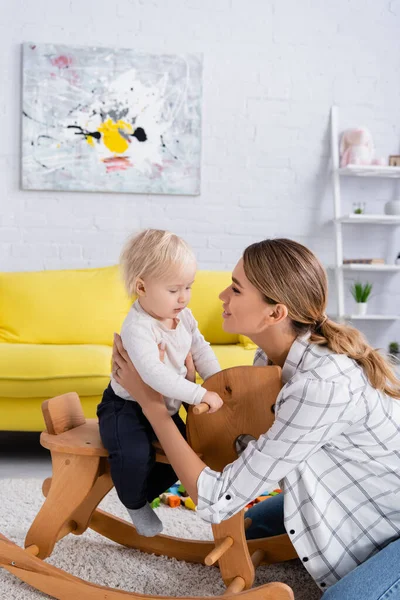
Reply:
x=81, y=479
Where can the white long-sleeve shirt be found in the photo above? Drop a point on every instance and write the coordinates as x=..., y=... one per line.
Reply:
x=141, y=334
x=335, y=448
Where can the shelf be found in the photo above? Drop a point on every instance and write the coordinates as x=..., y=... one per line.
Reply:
x=373, y=317
x=376, y=267
x=369, y=171
x=363, y=267
x=370, y=219
x=368, y=317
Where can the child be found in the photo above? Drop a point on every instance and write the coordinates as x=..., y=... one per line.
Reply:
x=159, y=268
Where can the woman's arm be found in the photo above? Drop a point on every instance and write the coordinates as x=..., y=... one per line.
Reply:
x=185, y=462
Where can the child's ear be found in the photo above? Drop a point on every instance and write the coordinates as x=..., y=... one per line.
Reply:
x=140, y=288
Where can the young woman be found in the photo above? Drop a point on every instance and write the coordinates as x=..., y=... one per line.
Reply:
x=335, y=443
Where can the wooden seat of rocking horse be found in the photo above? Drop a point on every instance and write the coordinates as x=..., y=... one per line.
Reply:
x=69, y=432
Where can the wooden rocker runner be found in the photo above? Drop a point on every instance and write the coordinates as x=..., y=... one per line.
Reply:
x=81, y=479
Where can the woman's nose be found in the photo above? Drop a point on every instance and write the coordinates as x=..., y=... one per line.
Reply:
x=222, y=295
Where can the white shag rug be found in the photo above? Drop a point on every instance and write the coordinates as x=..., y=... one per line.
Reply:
x=101, y=561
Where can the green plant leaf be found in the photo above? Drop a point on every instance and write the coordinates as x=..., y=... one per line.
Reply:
x=361, y=292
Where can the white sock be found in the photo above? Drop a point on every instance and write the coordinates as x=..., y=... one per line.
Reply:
x=145, y=520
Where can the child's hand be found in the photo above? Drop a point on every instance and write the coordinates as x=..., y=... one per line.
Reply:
x=213, y=400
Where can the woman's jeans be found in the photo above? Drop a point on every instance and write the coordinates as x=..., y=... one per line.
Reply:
x=267, y=518
x=378, y=578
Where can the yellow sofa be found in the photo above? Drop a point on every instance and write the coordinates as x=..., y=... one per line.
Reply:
x=56, y=331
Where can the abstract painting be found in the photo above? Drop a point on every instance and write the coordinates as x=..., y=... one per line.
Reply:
x=111, y=120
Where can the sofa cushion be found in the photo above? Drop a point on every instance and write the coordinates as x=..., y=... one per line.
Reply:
x=32, y=370
x=25, y=414
x=233, y=355
x=44, y=371
x=83, y=306
x=247, y=342
x=207, y=308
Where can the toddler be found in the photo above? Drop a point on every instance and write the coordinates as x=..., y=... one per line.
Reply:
x=159, y=268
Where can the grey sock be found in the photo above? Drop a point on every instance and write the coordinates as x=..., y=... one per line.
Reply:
x=145, y=520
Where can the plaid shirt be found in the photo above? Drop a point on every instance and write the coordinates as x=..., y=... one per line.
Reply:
x=335, y=449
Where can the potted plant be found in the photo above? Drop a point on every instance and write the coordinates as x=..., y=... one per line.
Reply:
x=394, y=352
x=361, y=293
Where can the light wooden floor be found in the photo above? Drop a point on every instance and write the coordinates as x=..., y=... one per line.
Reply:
x=22, y=456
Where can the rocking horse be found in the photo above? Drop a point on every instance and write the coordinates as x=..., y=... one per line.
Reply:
x=81, y=479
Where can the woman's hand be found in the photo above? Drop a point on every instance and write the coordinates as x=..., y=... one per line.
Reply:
x=191, y=369
x=125, y=374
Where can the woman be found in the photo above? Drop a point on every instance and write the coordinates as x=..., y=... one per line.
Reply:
x=335, y=444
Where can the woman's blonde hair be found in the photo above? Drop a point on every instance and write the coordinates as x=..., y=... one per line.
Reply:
x=153, y=253
x=286, y=272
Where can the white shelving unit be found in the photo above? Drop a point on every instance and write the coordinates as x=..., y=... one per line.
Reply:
x=340, y=220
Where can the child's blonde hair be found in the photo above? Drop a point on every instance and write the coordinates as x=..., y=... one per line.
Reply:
x=153, y=253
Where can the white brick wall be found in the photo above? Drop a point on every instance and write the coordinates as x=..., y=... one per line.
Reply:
x=272, y=69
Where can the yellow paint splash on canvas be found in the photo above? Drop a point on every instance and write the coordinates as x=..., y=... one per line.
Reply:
x=111, y=135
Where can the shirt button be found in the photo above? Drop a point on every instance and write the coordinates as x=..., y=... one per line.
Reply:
x=228, y=497
x=305, y=559
x=323, y=584
x=292, y=531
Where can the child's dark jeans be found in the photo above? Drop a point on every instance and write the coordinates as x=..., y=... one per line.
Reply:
x=128, y=436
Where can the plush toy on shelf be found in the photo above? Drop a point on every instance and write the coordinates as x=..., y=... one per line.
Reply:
x=357, y=148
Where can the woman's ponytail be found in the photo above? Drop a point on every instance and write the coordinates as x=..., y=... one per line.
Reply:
x=343, y=339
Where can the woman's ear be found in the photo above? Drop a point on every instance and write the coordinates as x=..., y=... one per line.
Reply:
x=278, y=313
x=140, y=288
